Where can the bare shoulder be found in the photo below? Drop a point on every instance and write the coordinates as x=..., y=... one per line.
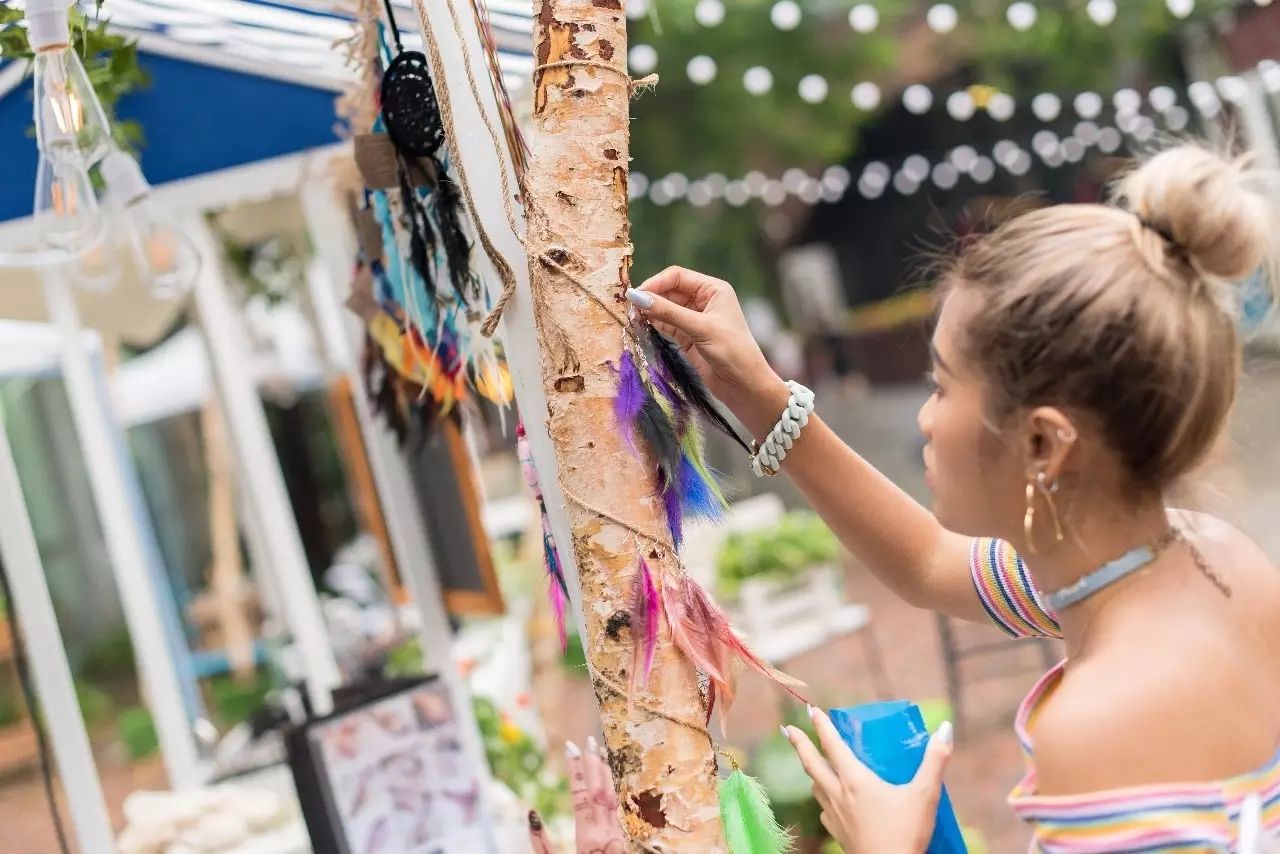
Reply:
x=1139, y=719
x=1222, y=538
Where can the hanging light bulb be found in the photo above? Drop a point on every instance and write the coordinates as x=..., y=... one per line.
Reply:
x=67, y=111
x=164, y=256
x=66, y=211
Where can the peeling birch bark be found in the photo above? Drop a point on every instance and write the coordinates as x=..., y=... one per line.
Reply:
x=664, y=772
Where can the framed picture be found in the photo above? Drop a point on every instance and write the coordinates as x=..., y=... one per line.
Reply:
x=387, y=775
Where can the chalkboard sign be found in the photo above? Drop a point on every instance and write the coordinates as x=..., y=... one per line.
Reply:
x=448, y=499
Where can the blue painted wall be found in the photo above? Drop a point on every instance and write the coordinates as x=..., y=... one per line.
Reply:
x=196, y=119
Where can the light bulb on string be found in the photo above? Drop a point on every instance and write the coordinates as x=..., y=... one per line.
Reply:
x=642, y=58
x=1086, y=132
x=865, y=96
x=1234, y=89
x=637, y=9
x=735, y=193
x=66, y=109
x=1101, y=12
x=963, y=156
x=65, y=209
x=1021, y=16
x=637, y=184
x=1019, y=164
x=945, y=176
x=709, y=13
x=1001, y=107
x=1088, y=105
x=864, y=18
x=813, y=88
x=793, y=179
x=942, y=18
x=1004, y=151
x=1046, y=106
x=757, y=80
x=983, y=170
x=960, y=106
x=1073, y=149
x=1109, y=140
x=1127, y=101
x=905, y=184
x=917, y=98
x=701, y=70
x=164, y=256
x=1181, y=8
x=1162, y=98
x=1044, y=142
x=1176, y=118
x=785, y=14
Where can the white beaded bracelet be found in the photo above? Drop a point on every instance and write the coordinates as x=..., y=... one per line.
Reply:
x=766, y=458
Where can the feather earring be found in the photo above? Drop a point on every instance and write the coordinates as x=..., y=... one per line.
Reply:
x=645, y=616
x=557, y=588
x=702, y=632
x=747, y=817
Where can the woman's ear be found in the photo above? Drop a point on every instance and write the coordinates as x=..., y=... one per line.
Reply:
x=1049, y=438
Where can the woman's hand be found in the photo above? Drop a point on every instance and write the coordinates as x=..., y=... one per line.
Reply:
x=703, y=316
x=865, y=814
x=595, y=804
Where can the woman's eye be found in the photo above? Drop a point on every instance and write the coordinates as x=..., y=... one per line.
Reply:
x=931, y=382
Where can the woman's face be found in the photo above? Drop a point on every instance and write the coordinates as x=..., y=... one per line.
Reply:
x=973, y=473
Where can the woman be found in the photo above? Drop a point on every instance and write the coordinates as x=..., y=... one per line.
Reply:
x=1084, y=360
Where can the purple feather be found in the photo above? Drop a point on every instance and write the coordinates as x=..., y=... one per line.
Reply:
x=630, y=398
x=672, y=504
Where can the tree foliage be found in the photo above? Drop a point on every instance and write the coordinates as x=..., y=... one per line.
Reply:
x=721, y=128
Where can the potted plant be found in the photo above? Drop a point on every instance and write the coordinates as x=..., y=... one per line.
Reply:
x=783, y=586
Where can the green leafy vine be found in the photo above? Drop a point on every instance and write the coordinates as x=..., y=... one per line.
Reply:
x=110, y=59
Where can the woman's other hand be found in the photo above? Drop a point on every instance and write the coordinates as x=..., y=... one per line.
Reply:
x=865, y=814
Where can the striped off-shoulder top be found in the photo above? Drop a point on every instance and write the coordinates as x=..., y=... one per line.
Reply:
x=1169, y=817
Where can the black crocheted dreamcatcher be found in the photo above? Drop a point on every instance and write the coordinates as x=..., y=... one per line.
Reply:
x=411, y=113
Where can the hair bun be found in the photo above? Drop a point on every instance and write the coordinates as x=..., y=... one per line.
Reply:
x=1207, y=205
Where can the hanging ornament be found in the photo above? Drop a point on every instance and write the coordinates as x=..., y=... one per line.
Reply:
x=557, y=589
x=750, y=826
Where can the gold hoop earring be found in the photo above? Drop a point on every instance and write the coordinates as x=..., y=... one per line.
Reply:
x=1047, y=490
x=1029, y=519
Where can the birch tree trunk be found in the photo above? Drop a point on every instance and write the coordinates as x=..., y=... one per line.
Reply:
x=576, y=203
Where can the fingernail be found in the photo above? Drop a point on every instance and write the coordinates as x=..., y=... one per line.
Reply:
x=593, y=746
x=813, y=713
x=945, y=733
x=571, y=750
x=640, y=298
x=785, y=733
x=535, y=820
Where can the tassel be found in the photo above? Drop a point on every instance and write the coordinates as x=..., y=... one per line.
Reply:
x=645, y=607
x=749, y=824
x=702, y=632
x=686, y=383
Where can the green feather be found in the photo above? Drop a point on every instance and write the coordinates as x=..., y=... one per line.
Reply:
x=749, y=825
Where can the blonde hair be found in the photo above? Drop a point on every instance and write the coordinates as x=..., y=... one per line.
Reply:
x=1125, y=314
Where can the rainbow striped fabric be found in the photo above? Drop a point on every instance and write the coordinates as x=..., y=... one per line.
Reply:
x=1201, y=817
x=1004, y=585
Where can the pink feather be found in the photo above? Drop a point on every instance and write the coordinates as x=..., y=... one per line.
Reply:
x=702, y=632
x=645, y=608
x=556, y=594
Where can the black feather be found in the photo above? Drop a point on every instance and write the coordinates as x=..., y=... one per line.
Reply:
x=660, y=436
x=456, y=245
x=422, y=238
x=684, y=381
